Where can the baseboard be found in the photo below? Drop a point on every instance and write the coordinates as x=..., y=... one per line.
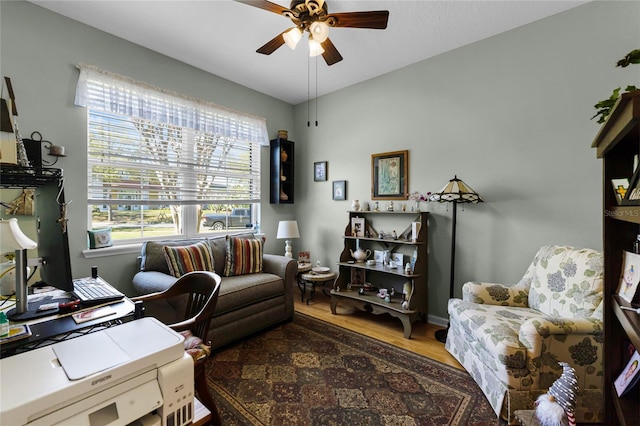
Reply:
x=442, y=322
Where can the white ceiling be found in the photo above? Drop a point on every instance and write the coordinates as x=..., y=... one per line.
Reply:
x=221, y=36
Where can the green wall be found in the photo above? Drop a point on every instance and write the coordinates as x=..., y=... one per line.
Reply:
x=40, y=51
x=509, y=115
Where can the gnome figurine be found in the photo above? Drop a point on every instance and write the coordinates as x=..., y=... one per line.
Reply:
x=556, y=407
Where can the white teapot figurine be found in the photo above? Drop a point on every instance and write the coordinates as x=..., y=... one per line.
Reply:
x=360, y=255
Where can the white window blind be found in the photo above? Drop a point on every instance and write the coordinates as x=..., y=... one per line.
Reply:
x=148, y=146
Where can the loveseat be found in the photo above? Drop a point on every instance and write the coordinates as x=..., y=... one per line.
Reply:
x=256, y=290
x=511, y=338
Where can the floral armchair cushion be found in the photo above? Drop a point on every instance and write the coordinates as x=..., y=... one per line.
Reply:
x=511, y=338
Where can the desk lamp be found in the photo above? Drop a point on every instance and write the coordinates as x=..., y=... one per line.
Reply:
x=12, y=237
x=455, y=191
x=287, y=229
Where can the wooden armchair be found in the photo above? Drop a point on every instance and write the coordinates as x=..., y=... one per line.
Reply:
x=196, y=293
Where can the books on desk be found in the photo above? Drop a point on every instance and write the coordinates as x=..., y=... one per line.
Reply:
x=16, y=332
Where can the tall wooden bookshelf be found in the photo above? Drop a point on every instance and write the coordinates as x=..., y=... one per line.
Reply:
x=618, y=144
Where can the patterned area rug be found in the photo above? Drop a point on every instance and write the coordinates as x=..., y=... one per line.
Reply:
x=309, y=372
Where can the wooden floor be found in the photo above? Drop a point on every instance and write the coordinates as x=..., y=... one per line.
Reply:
x=381, y=327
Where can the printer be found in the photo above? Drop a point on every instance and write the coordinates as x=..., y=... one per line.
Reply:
x=134, y=373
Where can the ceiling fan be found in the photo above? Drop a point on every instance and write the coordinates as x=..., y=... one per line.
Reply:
x=313, y=16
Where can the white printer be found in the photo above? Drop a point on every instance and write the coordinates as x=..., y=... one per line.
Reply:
x=135, y=372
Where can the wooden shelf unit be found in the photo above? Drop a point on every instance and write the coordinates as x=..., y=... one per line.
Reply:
x=617, y=143
x=282, y=156
x=380, y=276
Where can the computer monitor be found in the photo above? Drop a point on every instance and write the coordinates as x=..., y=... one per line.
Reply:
x=53, y=250
x=53, y=243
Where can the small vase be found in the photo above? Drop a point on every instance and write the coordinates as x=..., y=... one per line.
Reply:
x=417, y=208
x=355, y=205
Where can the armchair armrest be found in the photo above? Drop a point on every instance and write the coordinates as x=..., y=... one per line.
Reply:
x=495, y=294
x=535, y=333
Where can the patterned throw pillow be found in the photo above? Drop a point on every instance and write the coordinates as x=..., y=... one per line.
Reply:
x=183, y=259
x=244, y=256
x=99, y=238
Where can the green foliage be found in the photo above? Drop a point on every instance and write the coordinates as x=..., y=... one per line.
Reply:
x=604, y=107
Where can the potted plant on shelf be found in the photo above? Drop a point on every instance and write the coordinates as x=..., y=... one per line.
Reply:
x=604, y=107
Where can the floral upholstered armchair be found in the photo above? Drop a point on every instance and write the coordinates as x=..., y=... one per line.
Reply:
x=511, y=338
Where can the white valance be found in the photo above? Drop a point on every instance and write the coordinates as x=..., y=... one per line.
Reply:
x=110, y=92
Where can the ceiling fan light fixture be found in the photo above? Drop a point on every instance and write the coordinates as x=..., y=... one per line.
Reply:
x=319, y=30
x=315, y=48
x=292, y=37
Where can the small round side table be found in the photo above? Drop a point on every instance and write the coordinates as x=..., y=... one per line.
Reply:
x=313, y=278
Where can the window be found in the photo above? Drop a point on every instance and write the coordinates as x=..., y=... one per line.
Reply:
x=161, y=165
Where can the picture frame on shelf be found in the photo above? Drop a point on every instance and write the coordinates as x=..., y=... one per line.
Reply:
x=629, y=376
x=398, y=259
x=389, y=175
x=358, y=277
x=378, y=256
x=632, y=196
x=629, y=276
x=339, y=190
x=320, y=171
x=357, y=227
x=620, y=188
x=304, y=257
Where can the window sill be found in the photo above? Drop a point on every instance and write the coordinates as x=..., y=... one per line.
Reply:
x=112, y=251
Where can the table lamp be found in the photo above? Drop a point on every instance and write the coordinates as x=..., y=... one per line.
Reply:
x=287, y=229
x=12, y=237
x=455, y=191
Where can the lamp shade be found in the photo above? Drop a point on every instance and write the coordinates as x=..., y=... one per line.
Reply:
x=320, y=31
x=292, y=37
x=315, y=48
x=456, y=191
x=288, y=229
x=12, y=237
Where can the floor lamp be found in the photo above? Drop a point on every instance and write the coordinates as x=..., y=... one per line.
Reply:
x=455, y=191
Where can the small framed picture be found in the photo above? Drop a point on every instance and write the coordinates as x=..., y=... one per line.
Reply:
x=630, y=276
x=357, y=277
x=304, y=257
x=378, y=256
x=339, y=190
x=357, y=227
x=620, y=187
x=398, y=259
x=320, y=171
x=629, y=375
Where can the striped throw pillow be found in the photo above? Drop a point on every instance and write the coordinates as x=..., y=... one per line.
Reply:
x=183, y=259
x=244, y=256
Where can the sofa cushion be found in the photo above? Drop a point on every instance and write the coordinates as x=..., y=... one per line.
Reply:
x=244, y=290
x=183, y=259
x=152, y=256
x=244, y=256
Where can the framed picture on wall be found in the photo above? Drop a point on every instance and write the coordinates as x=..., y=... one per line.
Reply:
x=339, y=190
x=320, y=171
x=389, y=175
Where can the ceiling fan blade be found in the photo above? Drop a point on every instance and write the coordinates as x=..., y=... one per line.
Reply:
x=374, y=19
x=266, y=5
x=272, y=45
x=331, y=54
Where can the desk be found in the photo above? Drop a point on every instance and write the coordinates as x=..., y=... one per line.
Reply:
x=48, y=330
